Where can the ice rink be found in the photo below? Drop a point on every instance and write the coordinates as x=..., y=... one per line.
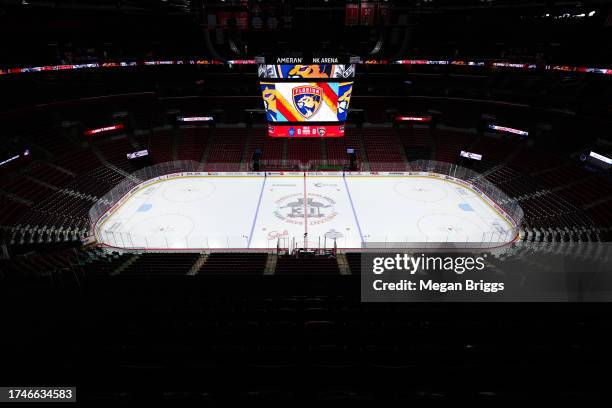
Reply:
x=257, y=212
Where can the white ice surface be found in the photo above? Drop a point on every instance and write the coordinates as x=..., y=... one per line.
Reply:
x=257, y=212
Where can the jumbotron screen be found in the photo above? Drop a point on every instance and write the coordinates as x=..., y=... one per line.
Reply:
x=306, y=99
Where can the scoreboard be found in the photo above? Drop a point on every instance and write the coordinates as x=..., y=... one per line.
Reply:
x=306, y=97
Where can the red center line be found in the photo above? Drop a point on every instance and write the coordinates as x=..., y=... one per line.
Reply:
x=305, y=215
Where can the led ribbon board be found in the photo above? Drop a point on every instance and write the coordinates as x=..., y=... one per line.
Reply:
x=306, y=97
x=413, y=118
x=10, y=159
x=470, y=155
x=104, y=129
x=139, y=153
x=601, y=157
x=195, y=119
x=26, y=153
x=506, y=129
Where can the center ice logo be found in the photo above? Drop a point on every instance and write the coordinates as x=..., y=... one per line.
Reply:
x=317, y=208
x=307, y=100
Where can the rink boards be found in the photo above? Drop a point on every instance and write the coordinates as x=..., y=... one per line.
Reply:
x=256, y=210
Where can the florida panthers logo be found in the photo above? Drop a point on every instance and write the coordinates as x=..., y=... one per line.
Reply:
x=307, y=100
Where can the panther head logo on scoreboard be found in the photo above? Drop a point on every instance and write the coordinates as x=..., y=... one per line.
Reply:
x=307, y=100
x=310, y=71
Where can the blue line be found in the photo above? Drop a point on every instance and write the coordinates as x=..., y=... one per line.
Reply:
x=353, y=208
x=256, y=211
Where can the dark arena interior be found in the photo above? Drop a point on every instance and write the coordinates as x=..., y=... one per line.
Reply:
x=192, y=212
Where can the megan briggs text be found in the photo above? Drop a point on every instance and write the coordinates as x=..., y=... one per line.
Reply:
x=430, y=285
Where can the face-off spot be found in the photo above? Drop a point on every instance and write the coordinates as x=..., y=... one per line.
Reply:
x=167, y=224
x=183, y=193
x=441, y=226
x=426, y=193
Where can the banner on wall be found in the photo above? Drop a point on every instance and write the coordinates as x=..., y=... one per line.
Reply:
x=384, y=13
x=351, y=15
x=368, y=10
x=242, y=20
x=223, y=18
